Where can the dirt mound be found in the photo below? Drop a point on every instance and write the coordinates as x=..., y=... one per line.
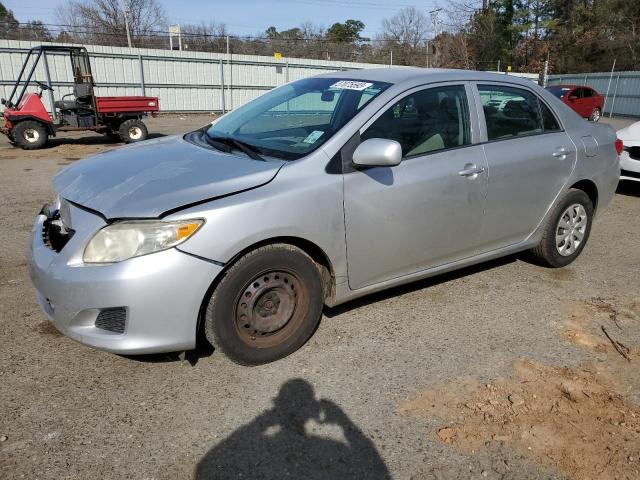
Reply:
x=569, y=418
x=577, y=420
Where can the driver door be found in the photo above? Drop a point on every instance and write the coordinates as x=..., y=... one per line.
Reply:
x=428, y=210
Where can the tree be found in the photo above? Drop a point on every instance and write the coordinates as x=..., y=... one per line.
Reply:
x=347, y=32
x=10, y=28
x=405, y=34
x=104, y=21
x=408, y=27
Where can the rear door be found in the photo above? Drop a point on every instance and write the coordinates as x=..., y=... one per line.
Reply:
x=428, y=210
x=588, y=101
x=530, y=159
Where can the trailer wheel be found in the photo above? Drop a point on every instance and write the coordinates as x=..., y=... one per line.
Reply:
x=30, y=135
x=133, y=130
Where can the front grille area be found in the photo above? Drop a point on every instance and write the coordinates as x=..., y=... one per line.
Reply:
x=54, y=235
x=112, y=319
x=628, y=173
x=634, y=152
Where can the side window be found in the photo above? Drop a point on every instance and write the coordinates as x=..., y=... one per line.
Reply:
x=550, y=123
x=587, y=93
x=514, y=112
x=426, y=121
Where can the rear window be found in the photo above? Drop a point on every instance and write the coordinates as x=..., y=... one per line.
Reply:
x=559, y=92
x=514, y=112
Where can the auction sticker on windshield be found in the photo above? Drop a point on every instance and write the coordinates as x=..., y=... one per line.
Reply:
x=350, y=85
x=313, y=137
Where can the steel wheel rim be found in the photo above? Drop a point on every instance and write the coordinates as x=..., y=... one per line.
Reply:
x=31, y=135
x=270, y=308
x=135, y=133
x=596, y=115
x=571, y=229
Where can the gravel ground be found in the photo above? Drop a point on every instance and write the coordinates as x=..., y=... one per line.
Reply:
x=332, y=409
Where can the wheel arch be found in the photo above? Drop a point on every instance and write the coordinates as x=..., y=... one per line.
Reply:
x=317, y=254
x=590, y=188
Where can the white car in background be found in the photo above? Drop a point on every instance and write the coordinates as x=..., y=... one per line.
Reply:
x=630, y=158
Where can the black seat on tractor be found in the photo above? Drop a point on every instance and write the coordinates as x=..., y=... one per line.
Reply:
x=65, y=104
x=82, y=93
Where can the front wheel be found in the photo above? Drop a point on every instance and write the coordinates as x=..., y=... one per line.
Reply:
x=29, y=135
x=133, y=130
x=266, y=305
x=567, y=230
x=595, y=115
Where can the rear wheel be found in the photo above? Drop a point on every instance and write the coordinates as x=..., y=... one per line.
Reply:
x=266, y=305
x=29, y=135
x=595, y=115
x=567, y=230
x=133, y=130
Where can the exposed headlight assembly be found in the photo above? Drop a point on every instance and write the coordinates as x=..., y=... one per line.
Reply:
x=122, y=240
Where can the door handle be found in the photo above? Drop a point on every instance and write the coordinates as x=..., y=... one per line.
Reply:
x=471, y=170
x=561, y=153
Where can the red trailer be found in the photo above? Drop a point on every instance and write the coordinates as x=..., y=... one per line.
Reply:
x=28, y=124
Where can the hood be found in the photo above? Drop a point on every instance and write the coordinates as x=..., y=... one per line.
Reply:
x=631, y=134
x=149, y=178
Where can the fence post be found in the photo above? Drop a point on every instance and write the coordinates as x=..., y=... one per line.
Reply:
x=142, y=86
x=615, y=92
x=606, y=97
x=230, y=75
x=222, y=87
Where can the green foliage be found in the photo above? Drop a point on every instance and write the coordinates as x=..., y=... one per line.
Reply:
x=347, y=32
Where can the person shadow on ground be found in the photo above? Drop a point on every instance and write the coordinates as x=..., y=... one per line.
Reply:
x=278, y=444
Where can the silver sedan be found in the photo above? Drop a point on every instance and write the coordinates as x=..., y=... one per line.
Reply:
x=318, y=192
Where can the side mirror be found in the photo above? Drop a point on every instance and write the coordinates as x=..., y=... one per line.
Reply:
x=573, y=98
x=378, y=152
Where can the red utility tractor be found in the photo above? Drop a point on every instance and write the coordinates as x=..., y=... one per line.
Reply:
x=28, y=124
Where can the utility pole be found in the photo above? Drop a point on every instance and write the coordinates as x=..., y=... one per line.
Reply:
x=436, y=31
x=126, y=22
x=428, y=51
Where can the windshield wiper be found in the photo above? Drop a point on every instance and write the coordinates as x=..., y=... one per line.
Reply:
x=250, y=150
x=223, y=147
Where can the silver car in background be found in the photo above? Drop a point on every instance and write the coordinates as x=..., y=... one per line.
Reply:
x=315, y=193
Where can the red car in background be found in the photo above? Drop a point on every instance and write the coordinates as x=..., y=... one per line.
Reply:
x=585, y=101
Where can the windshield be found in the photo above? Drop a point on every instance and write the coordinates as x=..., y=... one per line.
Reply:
x=559, y=91
x=294, y=120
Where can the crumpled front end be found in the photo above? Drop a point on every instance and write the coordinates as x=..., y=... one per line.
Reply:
x=145, y=304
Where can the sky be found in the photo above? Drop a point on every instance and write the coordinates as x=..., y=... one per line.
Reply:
x=248, y=17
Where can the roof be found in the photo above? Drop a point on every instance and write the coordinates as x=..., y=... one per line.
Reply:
x=563, y=85
x=414, y=75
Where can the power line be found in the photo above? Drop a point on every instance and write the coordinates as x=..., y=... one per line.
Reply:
x=97, y=30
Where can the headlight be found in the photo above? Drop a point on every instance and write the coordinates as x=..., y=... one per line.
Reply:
x=128, y=239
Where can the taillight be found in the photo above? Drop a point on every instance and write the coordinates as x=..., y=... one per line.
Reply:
x=619, y=146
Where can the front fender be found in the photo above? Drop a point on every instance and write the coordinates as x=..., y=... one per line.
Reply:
x=294, y=205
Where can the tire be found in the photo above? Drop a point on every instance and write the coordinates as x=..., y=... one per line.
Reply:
x=30, y=135
x=595, y=115
x=132, y=131
x=266, y=305
x=570, y=219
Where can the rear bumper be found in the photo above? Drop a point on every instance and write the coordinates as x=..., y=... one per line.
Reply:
x=161, y=293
